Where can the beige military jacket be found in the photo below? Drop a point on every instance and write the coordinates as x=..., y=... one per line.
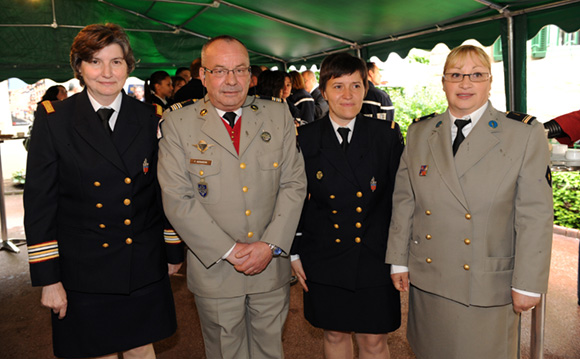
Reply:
x=472, y=226
x=215, y=197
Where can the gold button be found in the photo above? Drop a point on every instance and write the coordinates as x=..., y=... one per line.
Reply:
x=332, y=196
x=250, y=234
x=245, y=189
x=248, y=212
x=201, y=173
x=359, y=194
x=428, y=260
x=127, y=180
x=358, y=225
x=337, y=240
x=127, y=222
x=336, y=226
x=428, y=212
x=428, y=236
x=468, y=216
x=97, y=184
x=242, y=165
x=358, y=209
x=467, y=241
x=466, y=266
x=99, y=205
x=102, y=225
x=105, y=245
x=334, y=211
x=128, y=241
x=275, y=164
x=357, y=239
x=127, y=202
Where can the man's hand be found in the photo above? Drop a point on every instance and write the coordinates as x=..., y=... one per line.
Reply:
x=258, y=256
x=523, y=303
x=299, y=271
x=233, y=259
x=401, y=281
x=54, y=297
x=173, y=268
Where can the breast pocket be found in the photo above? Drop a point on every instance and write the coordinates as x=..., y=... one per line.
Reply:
x=270, y=164
x=204, y=172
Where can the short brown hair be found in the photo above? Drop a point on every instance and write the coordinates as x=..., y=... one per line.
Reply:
x=340, y=64
x=94, y=38
x=459, y=53
x=297, y=80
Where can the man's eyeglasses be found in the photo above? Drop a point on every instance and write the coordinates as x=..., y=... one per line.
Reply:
x=474, y=77
x=223, y=72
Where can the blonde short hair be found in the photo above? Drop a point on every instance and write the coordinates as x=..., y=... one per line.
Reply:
x=458, y=54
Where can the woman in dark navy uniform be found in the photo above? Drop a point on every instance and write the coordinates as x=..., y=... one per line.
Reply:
x=351, y=162
x=93, y=215
x=159, y=89
x=300, y=101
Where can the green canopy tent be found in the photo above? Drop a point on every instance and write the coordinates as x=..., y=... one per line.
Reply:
x=35, y=35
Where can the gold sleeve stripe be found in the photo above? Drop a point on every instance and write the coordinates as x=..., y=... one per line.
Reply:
x=41, y=245
x=171, y=237
x=42, y=259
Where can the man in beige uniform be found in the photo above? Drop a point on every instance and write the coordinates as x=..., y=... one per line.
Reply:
x=472, y=220
x=233, y=186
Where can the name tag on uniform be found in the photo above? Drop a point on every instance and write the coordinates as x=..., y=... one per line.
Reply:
x=195, y=161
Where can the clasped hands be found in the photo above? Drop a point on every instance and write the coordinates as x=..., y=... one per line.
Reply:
x=250, y=258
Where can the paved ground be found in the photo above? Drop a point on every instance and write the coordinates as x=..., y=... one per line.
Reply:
x=25, y=326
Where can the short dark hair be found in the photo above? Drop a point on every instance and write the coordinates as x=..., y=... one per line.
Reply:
x=270, y=83
x=256, y=70
x=371, y=66
x=340, y=64
x=94, y=38
x=180, y=70
x=156, y=78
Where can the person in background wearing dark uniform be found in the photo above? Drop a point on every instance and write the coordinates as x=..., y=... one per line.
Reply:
x=377, y=103
x=178, y=82
x=338, y=254
x=310, y=85
x=270, y=85
x=300, y=101
x=194, y=89
x=158, y=89
x=256, y=71
x=184, y=73
x=471, y=233
x=93, y=213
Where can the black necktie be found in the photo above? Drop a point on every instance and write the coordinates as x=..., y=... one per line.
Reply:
x=231, y=118
x=105, y=114
x=459, y=137
x=343, y=132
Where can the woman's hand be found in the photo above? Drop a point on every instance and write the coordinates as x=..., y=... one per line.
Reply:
x=401, y=281
x=299, y=271
x=54, y=297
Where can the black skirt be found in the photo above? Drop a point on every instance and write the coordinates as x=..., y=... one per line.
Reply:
x=375, y=310
x=101, y=324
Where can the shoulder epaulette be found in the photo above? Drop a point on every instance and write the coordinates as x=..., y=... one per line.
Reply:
x=522, y=117
x=275, y=99
x=425, y=117
x=181, y=104
x=48, y=106
x=158, y=110
x=393, y=124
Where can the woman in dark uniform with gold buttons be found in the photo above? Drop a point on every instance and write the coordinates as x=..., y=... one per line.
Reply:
x=93, y=215
x=339, y=251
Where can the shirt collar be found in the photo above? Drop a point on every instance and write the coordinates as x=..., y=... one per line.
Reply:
x=116, y=105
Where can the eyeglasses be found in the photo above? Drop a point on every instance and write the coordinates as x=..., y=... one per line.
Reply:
x=223, y=72
x=474, y=77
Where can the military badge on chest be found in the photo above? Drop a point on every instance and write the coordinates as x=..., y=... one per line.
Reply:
x=202, y=187
x=145, y=167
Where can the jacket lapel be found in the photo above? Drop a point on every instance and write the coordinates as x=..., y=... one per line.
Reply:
x=214, y=127
x=441, y=149
x=331, y=150
x=88, y=126
x=251, y=124
x=127, y=126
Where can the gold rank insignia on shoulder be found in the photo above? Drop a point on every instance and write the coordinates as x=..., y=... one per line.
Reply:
x=425, y=117
x=319, y=175
x=266, y=136
x=145, y=166
x=177, y=106
x=158, y=110
x=202, y=146
x=254, y=107
x=522, y=117
x=203, y=112
x=48, y=106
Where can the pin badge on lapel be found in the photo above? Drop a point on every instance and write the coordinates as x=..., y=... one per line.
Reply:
x=202, y=188
x=319, y=175
x=145, y=166
x=203, y=112
x=266, y=136
x=202, y=146
x=423, y=170
x=492, y=124
x=254, y=107
x=438, y=124
x=373, y=184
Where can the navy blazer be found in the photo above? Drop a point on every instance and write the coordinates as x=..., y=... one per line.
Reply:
x=345, y=220
x=93, y=213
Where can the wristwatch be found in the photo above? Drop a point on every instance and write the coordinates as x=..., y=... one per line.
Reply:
x=276, y=251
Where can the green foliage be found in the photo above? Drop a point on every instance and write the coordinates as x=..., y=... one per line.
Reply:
x=416, y=102
x=18, y=178
x=566, y=188
x=419, y=59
